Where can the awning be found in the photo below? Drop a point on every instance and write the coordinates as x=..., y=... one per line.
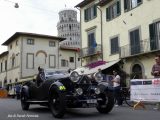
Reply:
x=89, y=70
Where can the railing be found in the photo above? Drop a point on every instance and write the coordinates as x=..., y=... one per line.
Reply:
x=89, y=51
x=144, y=46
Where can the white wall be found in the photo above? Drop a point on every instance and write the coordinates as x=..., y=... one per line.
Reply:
x=41, y=52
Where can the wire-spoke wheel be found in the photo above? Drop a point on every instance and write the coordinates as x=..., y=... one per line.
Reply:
x=57, y=103
x=107, y=103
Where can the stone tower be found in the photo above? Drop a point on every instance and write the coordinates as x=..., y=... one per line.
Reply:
x=68, y=27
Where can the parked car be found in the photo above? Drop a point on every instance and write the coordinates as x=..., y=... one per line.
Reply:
x=67, y=91
x=11, y=91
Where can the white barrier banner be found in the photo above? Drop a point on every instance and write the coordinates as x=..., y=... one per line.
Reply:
x=145, y=90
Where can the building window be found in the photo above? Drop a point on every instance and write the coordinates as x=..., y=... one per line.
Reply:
x=78, y=59
x=113, y=11
x=64, y=63
x=130, y=4
x=5, y=65
x=16, y=80
x=154, y=30
x=114, y=45
x=16, y=42
x=13, y=62
x=30, y=41
x=134, y=42
x=71, y=59
x=52, y=43
x=11, y=46
x=90, y=13
x=70, y=27
x=1, y=67
x=30, y=61
x=136, y=72
x=91, y=38
x=52, y=61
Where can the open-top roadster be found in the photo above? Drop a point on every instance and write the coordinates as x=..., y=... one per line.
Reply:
x=67, y=91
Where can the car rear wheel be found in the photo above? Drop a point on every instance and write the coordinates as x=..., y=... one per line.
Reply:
x=107, y=103
x=24, y=103
x=57, y=102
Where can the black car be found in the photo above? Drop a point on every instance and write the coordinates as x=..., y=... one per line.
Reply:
x=67, y=91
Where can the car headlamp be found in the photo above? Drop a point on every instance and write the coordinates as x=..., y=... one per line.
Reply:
x=79, y=91
x=97, y=91
x=98, y=76
x=74, y=76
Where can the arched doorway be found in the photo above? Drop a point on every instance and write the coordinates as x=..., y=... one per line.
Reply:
x=136, y=72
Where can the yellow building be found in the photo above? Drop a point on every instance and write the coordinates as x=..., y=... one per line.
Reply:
x=128, y=30
x=27, y=51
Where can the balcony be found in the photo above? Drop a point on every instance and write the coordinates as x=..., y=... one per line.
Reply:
x=90, y=51
x=145, y=46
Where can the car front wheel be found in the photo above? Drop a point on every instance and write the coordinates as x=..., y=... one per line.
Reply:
x=57, y=102
x=107, y=103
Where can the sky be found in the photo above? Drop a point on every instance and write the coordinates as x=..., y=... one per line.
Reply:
x=34, y=16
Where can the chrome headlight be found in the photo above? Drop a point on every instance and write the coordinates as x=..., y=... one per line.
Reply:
x=74, y=76
x=98, y=76
x=97, y=91
x=79, y=91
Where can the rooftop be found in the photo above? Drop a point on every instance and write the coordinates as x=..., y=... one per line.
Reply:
x=17, y=34
x=84, y=2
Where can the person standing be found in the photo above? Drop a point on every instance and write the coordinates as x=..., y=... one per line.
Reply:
x=116, y=88
x=156, y=73
x=17, y=89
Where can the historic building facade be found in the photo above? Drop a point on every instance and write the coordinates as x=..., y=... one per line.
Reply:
x=128, y=30
x=26, y=52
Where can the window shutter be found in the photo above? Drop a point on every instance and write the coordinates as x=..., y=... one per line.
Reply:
x=125, y=5
x=152, y=31
x=85, y=15
x=137, y=41
x=139, y=1
x=117, y=46
x=114, y=45
x=118, y=8
x=95, y=10
x=107, y=14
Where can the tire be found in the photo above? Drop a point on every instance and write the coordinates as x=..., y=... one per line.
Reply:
x=57, y=102
x=24, y=104
x=107, y=103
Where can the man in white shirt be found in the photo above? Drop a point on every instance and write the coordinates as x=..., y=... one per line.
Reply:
x=117, y=87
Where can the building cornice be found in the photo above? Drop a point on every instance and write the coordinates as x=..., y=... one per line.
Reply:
x=17, y=34
x=104, y=2
x=4, y=54
x=84, y=3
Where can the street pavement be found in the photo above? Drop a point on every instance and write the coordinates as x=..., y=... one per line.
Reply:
x=10, y=109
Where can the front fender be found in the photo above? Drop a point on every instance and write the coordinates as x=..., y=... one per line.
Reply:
x=25, y=89
x=58, y=85
x=103, y=86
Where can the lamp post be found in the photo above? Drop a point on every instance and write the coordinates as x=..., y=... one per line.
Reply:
x=16, y=5
x=101, y=30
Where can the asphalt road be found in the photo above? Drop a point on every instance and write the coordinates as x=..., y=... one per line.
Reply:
x=10, y=109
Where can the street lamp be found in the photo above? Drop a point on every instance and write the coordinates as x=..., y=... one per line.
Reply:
x=101, y=31
x=16, y=5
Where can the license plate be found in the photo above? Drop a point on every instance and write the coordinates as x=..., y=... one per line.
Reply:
x=92, y=101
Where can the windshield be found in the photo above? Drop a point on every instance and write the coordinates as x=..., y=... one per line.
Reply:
x=55, y=74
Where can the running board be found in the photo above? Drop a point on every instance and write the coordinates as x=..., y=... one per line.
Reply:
x=34, y=102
